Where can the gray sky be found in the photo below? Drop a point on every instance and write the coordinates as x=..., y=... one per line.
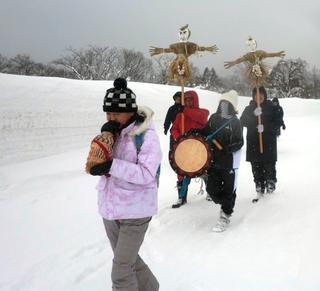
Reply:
x=45, y=28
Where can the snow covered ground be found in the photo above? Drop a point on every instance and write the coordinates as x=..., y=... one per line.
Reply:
x=52, y=238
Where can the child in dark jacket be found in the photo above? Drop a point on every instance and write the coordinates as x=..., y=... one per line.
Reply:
x=222, y=175
x=280, y=114
x=263, y=164
x=172, y=112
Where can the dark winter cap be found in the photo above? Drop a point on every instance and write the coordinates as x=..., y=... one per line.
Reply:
x=262, y=90
x=120, y=98
x=176, y=95
x=275, y=99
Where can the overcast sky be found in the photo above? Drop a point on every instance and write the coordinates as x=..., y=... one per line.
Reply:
x=45, y=28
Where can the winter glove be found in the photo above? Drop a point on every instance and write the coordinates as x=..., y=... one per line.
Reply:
x=101, y=169
x=194, y=131
x=257, y=111
x=111, y=126
x=260, y=128
x=284, y=127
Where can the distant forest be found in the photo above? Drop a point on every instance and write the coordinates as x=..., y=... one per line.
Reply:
x=288, y=78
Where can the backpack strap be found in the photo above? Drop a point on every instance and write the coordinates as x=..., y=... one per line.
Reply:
x=138, y=141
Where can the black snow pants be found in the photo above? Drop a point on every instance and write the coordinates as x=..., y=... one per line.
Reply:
x=221, y=188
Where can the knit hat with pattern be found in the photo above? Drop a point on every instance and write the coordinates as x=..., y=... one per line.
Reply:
x=120, y=98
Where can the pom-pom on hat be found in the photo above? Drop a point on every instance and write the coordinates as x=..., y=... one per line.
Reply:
x=120, y=98
x=232, y=97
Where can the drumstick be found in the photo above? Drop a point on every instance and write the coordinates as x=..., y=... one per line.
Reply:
x=217, y=144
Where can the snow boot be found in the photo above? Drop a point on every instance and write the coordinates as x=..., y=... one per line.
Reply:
x=260, y=188
x=208, y=197
x=180, y=202
x=271, y=186
x=222, y=223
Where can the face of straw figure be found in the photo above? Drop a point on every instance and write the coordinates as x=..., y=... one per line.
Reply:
x=251, y=44
x=120, y=117
x=184, y=34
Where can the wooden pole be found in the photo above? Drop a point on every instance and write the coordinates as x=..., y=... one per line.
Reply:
x=182, y=103
x=259, y=120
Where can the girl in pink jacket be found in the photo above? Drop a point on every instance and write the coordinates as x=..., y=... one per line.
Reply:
x=127, y=190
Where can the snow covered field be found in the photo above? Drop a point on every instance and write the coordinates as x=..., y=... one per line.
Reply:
x=52, y=238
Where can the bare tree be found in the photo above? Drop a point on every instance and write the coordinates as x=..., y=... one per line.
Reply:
x=22, y=65
x=93, y=63
x=3, y=64
x=161, y=69
x=236, y=81
x=135, y=66
x=314, y=83
x=288, y=78
x=211, y=81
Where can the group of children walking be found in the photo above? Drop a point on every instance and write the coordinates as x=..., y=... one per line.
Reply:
x=127, y=189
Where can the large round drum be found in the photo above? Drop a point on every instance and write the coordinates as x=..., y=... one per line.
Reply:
x=190, y=155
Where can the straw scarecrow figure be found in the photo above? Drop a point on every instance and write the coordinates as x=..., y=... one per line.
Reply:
x=179, y=67
x=256, y=70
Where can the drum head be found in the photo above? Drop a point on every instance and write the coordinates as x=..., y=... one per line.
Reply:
x=191, y=155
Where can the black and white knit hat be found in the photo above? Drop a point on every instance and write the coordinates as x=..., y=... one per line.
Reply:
x=120, y=98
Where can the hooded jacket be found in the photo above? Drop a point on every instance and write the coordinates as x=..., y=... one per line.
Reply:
x=271, y=121
x=229, y=137
x=130, y=189
x=194, y=117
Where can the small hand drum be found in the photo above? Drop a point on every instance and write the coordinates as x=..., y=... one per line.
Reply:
x=191, y=155
x=100, y=149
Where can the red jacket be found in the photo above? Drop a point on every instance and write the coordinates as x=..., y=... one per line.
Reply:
x=194, y=117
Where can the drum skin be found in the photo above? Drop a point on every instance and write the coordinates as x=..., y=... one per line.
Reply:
x=191, y=155
x=100, y=149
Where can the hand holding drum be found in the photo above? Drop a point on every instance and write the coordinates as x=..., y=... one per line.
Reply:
x=102, y=145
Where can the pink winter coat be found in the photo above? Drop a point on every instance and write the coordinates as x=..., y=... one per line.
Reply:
x=131, y=189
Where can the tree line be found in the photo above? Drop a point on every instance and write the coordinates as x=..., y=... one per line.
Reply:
x=288, y=78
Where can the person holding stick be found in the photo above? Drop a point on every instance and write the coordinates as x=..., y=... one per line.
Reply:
x=256, y=71
x=263, y=164
x=194, y=117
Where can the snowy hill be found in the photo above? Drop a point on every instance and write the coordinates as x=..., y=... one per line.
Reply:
x=52, y=238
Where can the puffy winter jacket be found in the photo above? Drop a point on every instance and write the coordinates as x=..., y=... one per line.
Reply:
x=229, y=137
x=194, y=117
x=131, y=189
x=271, y=121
